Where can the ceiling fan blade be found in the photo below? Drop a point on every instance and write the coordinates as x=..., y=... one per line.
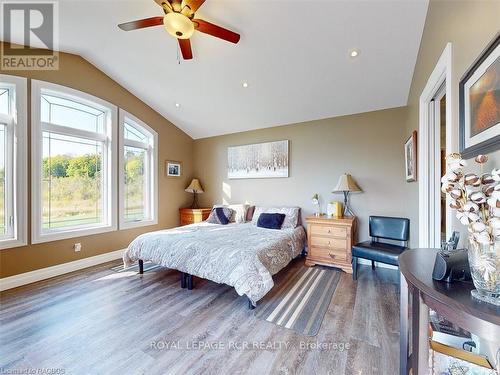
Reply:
x=140, y=24
x=185, y=46
x=217, y=31
x=192, y=4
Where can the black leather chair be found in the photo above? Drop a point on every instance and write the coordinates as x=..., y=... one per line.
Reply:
x=382, y=227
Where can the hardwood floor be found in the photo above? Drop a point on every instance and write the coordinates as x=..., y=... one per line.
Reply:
x=96, y=321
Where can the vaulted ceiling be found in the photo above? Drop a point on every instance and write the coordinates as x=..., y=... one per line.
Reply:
x=294, y=55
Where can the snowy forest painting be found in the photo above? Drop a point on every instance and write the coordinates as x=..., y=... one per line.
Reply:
x=261, y=160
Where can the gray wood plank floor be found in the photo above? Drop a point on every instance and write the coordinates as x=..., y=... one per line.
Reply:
x=96, y=321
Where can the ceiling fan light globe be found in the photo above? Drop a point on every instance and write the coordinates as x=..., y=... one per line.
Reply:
x=178, y=25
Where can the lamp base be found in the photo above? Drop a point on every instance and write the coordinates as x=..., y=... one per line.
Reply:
x=347, y=210
x=194, y=205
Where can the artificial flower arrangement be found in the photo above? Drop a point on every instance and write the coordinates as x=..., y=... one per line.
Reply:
x=476, y=197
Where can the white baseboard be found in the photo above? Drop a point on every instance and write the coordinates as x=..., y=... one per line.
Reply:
x=60, y=269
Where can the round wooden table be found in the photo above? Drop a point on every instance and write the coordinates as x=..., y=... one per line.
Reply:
x=419, y=292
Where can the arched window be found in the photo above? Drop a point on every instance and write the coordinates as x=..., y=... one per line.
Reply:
x=74, y=162
x=138, y=172
x=13, y=161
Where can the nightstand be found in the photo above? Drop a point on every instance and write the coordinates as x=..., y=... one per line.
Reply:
x=193, y=215
x=329, y=241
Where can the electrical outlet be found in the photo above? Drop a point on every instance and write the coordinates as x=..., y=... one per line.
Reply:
x=77, y=247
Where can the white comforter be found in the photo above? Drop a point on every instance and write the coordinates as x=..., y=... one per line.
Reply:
x=240, y=255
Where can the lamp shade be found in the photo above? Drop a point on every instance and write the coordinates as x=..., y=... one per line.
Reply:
x=346, y=183
x=194, y=186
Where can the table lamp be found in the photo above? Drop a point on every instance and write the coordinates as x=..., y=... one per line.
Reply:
x=195, y=188
x=346, y=185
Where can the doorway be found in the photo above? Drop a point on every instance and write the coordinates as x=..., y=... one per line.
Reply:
x=435, y=142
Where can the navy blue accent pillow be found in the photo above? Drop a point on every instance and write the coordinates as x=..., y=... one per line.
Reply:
x=219, y=211
x=270, y=221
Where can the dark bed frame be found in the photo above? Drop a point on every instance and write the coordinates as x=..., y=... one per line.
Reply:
x=187, y=279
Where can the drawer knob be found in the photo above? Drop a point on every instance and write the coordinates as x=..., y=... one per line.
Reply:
x=329, y=231
x=331, y=255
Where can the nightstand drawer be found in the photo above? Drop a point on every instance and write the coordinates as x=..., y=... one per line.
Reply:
x=330, y=231
x=187, y=217
x=193, y=215
x=330, y=243
x=328, y=254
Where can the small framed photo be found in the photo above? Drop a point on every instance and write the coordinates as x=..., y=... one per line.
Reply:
x=173, y=168
x=411, y=158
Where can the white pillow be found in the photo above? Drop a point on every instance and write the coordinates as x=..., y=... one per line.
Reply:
x=239, y=212
x=292, y=215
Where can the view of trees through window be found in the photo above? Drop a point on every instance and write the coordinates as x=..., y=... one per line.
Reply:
x=71, y=181
x=135, y=184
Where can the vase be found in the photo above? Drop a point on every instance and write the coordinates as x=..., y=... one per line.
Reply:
x=484, y=262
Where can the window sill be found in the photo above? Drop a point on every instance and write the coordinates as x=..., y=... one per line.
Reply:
x=72, y=233
x=137, y=224
x=11, y=243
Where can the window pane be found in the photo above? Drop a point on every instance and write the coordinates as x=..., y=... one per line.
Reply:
x=135, y=179
x=67, y=112
x=71, y=182
x=133, y=134
x=3, y=229
x=4, y=101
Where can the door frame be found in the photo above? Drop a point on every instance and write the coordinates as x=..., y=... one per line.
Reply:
x=429, y=198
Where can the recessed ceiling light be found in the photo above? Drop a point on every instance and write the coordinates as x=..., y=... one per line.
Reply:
x=354, y=53
x=244, y=84
x=177, y=105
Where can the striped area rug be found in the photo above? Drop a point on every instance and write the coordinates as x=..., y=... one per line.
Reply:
x=301, y=303
x=148, y=266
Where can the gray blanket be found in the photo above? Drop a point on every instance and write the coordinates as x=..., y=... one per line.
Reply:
x=240, y=255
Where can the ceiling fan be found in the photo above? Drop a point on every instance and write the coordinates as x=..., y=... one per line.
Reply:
x=180, y=23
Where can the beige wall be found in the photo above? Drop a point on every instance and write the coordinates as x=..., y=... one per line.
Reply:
x=469, y=26
x=369, y=146
x=174, y=144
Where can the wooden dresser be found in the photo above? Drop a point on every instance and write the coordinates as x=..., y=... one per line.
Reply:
x=330, y=240
x=193, y=215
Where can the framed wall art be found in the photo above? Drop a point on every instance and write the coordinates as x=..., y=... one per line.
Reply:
x=261, y=160
x=479, y=104
x=411, y=161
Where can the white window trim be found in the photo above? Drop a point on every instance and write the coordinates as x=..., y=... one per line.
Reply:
x=37, y=236
x=153, y=205
x=20, y=164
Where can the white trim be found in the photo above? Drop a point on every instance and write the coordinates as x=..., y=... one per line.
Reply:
x=60, y=269
x=152, y=147
x=428, y=236
x=20, y=152
x=109, y=159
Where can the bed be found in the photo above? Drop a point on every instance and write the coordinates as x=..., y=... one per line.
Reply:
x=240, y=255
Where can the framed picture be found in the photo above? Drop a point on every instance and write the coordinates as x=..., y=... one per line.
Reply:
x=411, y=158
x=173, y=168
x=261, y=160
x=479, y=104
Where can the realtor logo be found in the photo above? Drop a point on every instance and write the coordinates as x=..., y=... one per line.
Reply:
x=30, y=32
